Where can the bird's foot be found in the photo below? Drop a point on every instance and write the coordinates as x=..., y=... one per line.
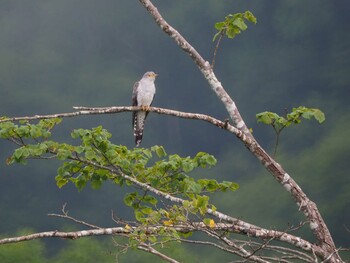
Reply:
x=145, y=108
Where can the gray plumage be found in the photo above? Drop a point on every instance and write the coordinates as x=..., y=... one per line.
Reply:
x=142, y=95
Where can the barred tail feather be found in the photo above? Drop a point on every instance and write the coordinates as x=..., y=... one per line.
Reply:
x=138, y=138
x=139, y=122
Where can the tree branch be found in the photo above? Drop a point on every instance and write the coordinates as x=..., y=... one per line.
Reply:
x=202, y=64
x=183, y=228
x=239, y=226
x=111, y=110
x=308, y=207
x=69, y=235
x=235, y=225
x=66, y=216
x=152, y=250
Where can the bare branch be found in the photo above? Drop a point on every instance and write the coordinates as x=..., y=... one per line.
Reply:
x=207, y=243
x=112, y=110
x=152, y=250
x=183, y=228
x=68, y=235
x=66, y=216
x=238, y=250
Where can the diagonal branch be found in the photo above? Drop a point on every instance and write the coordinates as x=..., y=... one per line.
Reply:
x=203, y=65
x=309, y=208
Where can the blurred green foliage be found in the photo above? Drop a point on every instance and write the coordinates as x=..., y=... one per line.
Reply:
x=85, y=250
x=31, y=252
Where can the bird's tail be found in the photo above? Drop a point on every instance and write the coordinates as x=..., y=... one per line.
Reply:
x=139, y=122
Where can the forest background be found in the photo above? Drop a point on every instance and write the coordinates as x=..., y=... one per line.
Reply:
x=59, y=54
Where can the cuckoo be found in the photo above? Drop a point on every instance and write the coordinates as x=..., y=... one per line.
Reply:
x=142, y=95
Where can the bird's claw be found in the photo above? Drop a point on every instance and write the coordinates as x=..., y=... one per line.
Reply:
x=145, y=108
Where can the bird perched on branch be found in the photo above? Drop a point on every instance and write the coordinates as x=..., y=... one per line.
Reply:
x=142, y=95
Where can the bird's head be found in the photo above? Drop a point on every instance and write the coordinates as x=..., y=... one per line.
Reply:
x=150, y=75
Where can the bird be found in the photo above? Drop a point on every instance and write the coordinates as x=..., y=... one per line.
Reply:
x=142, y=95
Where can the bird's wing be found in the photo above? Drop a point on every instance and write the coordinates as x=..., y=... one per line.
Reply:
x=134, y=102
x=134, y=93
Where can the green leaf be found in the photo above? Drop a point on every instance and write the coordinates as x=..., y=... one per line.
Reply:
x=79, y=149
x=129, y=198
x=229, y=185
x=146, y=210
x=231, y=32
x=35, y=132
x=96, y=182
x=188, y=167
x=220, y=25
x=192, y=186
x=80, y=183
x=201, y=203
x=159, y=150
x=266, y=117
x=60, y=182
x=250, y=17
x=18, y=153
x=319, y=116
x=63, y=154
x=186, y=235
x=206, y=221
x=211, y=160
x=90, y=154
x=150, y=199
x=138, y=215
x=152, y=238
x=212, y=185
x=239, y=22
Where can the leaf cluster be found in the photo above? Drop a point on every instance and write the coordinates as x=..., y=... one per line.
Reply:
x=294, y=117
x=38, y=133
x=234, y=24
x=95, y=159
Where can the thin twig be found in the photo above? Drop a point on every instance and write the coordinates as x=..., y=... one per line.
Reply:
x=152, y=250
x=216, y=49
x=75, y=220
x=66, y=216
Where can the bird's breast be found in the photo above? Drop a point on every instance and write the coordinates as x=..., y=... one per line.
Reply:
x=145, y=95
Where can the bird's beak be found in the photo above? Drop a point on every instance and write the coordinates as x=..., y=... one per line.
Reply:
x=155, y=75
